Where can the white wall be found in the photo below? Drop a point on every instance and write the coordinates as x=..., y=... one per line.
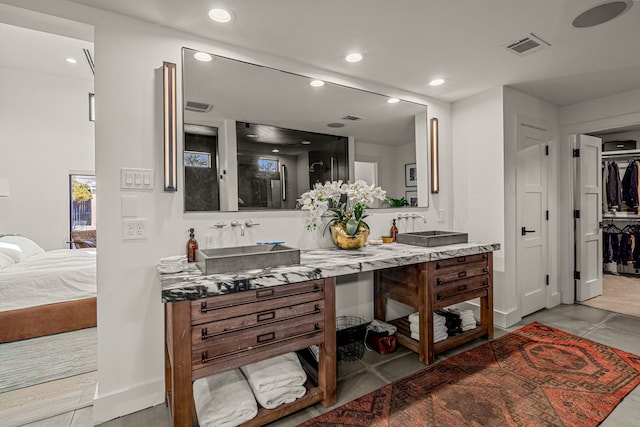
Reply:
x=599, y=114
x=391, y=161
x=46, y=134
x=478, y=178
x=128, y=134
x=518, y=104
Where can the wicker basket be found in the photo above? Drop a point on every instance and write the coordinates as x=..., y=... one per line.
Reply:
x=350, y=333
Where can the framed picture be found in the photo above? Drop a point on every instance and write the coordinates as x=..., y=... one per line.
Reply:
x=197, y=159
x=412, y=198
x=410, y=175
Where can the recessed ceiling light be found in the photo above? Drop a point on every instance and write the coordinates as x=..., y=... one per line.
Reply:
x=202, y=56
x=252, y=135
x=393, y=100
x=71, y=61
x=305, y=142
x=436, y=82
x=221, y=16
x=317, y=83
x=275, y=150
x=600, y=14
x=336, y=125
x=354, y=57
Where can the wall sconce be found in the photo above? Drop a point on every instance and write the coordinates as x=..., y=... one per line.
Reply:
x=170, y=127
x=435, y=173
x=4, y=188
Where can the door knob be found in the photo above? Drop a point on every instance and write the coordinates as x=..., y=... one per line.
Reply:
x=525, y=231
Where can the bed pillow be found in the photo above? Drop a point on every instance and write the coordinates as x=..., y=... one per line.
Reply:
x=5, y=261
x=28, y=246
x=11, y=250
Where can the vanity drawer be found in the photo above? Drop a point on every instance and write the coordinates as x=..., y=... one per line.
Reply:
x=462, y=271
x=252, y=339
x=450, y=262
x=459, y=287
x=245, y=302
x=265, y=316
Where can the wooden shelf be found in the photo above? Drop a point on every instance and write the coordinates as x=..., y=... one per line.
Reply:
x=404, y=336
x=313, y=396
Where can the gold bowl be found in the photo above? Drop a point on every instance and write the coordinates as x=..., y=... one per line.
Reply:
x=344, y=241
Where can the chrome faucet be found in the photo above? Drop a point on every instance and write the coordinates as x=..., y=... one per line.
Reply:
x=419, y=216
x=235, y=223
x=249, y=223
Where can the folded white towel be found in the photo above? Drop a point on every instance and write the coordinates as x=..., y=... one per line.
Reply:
x=415, y=328
x=437, y=319
x=273, y=398
x=280, y=371
x=436, y=338
x=224, y=399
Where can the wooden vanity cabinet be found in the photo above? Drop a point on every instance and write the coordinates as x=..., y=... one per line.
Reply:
x=215, y=334
x=433, y=286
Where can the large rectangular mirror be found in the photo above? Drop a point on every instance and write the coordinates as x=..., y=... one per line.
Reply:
x=277, y=135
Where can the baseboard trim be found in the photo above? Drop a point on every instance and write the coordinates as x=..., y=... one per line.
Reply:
x=109, y=406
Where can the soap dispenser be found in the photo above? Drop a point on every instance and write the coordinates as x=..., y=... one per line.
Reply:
x=394, y=231
x=192, y=246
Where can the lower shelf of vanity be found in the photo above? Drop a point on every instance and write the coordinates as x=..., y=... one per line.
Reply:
x=404, y=336
x=314, y=395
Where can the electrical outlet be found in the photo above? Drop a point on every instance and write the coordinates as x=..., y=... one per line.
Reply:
x=134, y=228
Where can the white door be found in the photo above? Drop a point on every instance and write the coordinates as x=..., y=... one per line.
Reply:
x=588, y=210
x=531, y=215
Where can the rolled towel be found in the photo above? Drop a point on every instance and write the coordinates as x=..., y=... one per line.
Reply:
x=436, y=338
x=280, y=371
x=224, y=399
x=414, y=317
x=273, y=398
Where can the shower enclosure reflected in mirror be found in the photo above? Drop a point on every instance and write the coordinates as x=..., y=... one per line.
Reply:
x=277, y=135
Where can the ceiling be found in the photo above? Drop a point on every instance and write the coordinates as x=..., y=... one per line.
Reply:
x=408, y=42
x=29, y=50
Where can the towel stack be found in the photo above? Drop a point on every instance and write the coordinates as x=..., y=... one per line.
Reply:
x=468, y=320
x=173, y=264
x=277, y=380
x=439, y=327
x=224, y=399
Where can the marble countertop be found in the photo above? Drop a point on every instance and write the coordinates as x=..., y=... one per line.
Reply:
x=314, y=264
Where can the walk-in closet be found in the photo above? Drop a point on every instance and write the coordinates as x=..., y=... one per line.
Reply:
x=620, y=222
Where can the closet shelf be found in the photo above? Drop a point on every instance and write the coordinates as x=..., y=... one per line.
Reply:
x=621, y=155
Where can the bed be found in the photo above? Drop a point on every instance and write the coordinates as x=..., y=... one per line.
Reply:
x=43, y=293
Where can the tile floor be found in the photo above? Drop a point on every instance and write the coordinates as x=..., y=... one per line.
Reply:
x=373, y=371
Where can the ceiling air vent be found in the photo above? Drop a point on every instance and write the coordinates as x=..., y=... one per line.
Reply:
x=351, y=118
x=198, y=107
x=527, y=45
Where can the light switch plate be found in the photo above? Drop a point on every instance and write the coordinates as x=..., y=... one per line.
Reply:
x=135, y=178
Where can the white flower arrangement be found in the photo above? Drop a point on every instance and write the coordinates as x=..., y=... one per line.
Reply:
x=346, y=202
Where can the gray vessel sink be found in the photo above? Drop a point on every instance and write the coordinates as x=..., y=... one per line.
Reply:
x=237, y=258
x=432, y=238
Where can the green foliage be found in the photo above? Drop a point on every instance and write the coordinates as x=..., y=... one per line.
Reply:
x=398, y=203
x=80, y=192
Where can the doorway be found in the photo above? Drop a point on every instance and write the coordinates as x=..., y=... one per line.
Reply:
x=532, y=214
x=82, y=211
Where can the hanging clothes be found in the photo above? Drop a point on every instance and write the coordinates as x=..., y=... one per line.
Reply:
x=614, y=187
x=626, y=249
x=630, y=186
x=636, y=249
x=610, y=247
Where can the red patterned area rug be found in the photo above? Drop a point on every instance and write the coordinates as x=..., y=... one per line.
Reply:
x=535, y=376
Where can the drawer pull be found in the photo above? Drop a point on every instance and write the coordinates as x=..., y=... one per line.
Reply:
x=269, y=336
x=485, y=283
x=462, y=274
x=485, y=256
x=438, y=297
x=485, y=270
x=266, y=316
x=264, y=293
x=462, y=259
x=462, y=288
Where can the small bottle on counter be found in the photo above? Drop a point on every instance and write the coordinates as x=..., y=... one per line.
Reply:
x=394, y=231
x=192, y=246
